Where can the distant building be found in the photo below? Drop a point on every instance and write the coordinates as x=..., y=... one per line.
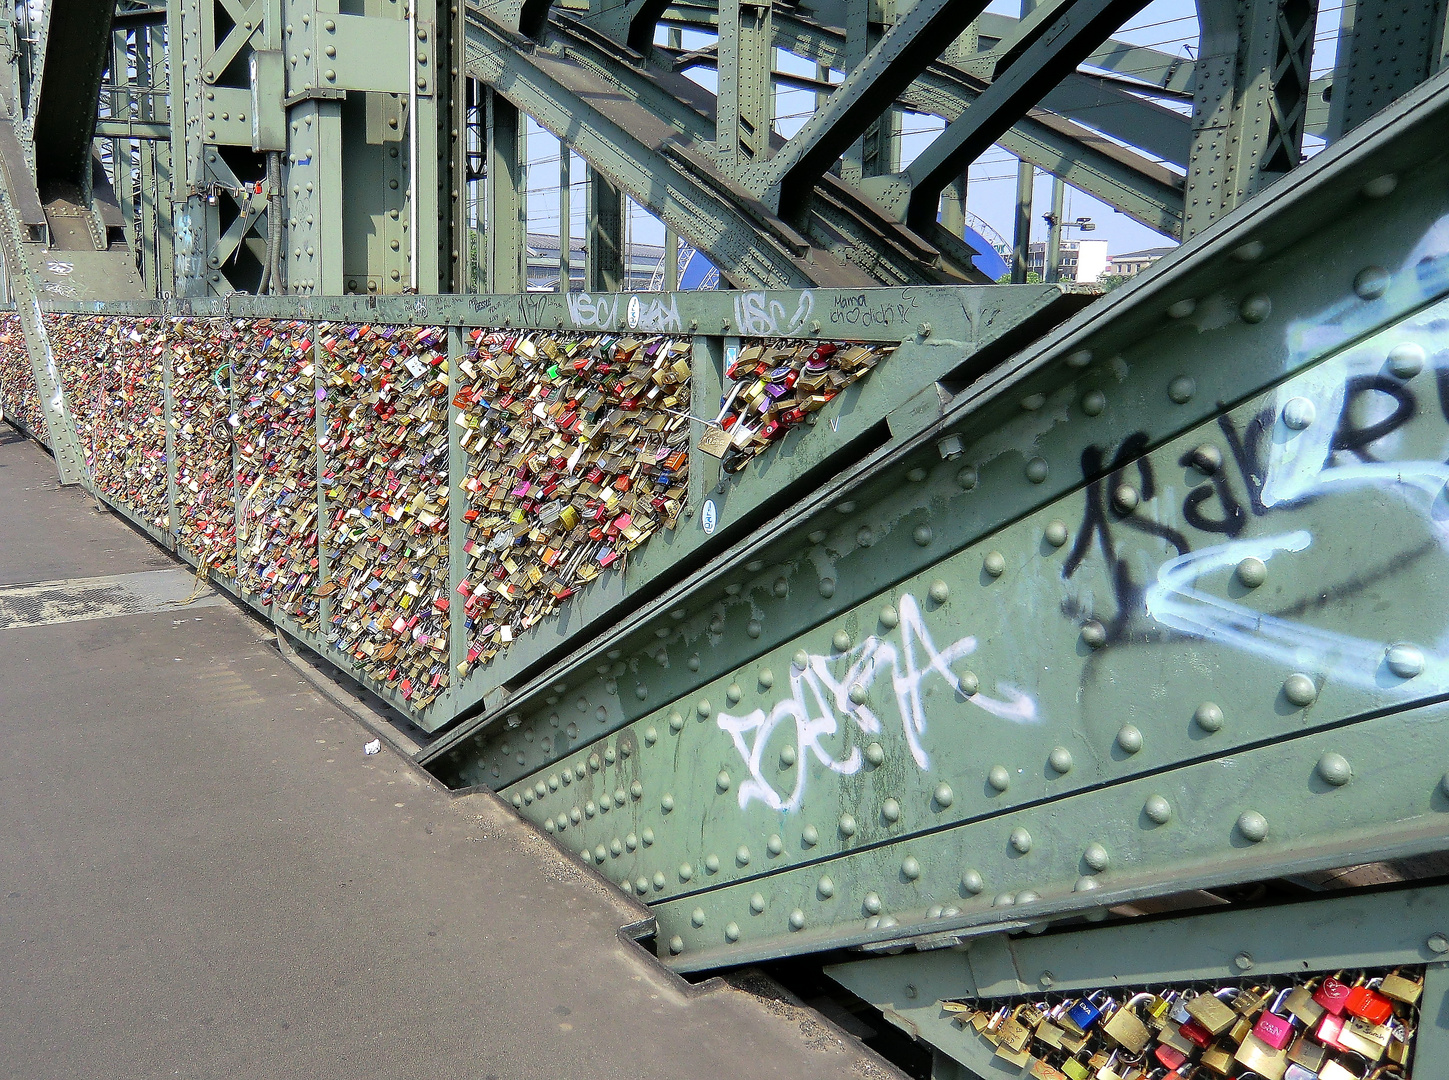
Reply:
x=1134, y=262
x=1081, y=260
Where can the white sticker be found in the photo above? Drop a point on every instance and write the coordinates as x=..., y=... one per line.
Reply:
x=415, y=367
x=709, y=516
x=633, y=312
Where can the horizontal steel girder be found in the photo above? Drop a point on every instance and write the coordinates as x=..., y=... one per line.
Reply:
x=830, y=651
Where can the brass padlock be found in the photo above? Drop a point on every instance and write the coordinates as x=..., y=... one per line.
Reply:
x=1363, y=1037
x=1013, y=1034
x=1262, y=1059
x=1040, y=1070
x=1210, y=1011
x=1125, y=1027
x=1218, y=1059
x=1300, y=1003
x=1401, y=988
x=1307, y=1053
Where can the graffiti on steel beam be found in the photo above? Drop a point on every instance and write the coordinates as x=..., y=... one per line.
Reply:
x=820, y=701
x=756, y=315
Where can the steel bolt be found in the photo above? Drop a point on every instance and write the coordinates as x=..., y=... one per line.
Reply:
x=1182, y=309
x=1005, y=899
x=841, y=641
x=1055, y=532
x=757, y=903
x=891, y=810
x=994, y=564
x=1094, y=402
x=1371, y=282
x=999, y=778
x=754, y=628
x=1407, y=359
x=1254, y=309
x=1125, y=498
x=711, y=864
x=801, y=659
x=1032, y=402
x=676, y=945
x=1252, y=572
x=889, y=617
x=742, y=855
x=787, y=755
x=1208, y=717
x=939, y=592
x=1299, y=413
x=1181, y=389
x=922, y=535
x=910, y=868
x=971, y=882
x=810, y=836
x=857, y=694
x=1086, y=884
x=774, y=845
x=733, y=693
x=1334, y=769
x=1037, y=469
x=722, y=780
x=676, y=721
x=847, y=824
x=1437, y=943
x=1157, y=809
x=1405, y=661
x=1207, y=459
x=943, y=795
x=697, y=916
x=1060, y=759
x=1096, y=857
x=916, y=475
x=1046, y=980
x=1020, y=840
x=704, y=708
x=1253, y=825
x=766, y=678
x=1129, y=739
x=825, y=887
x=1252, y=251
x=651, y=736
x=667, y=803
x=797, y=919
x=732, y=932
x=1079, y=359
x=1300, y=689
x=1094, y=634
x=968, y=683
x=1243, y=962
x=647, y=836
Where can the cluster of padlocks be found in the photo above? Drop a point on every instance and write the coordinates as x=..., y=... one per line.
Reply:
x=17, y=378
x=276, y=448
x=201, y=413
x=1333, y=1027
x=385, y=476
x=775, y=386
x=578, y=452
x=114, y=376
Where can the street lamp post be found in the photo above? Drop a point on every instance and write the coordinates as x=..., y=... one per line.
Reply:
x=1051, y=266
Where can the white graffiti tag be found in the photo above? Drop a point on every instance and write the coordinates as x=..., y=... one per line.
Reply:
x=819, y=699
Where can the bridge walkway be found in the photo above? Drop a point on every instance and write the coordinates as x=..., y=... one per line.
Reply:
x=202, y=874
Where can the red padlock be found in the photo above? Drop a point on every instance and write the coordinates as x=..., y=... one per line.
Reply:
x=1332, y=995
x=1368, y=1003
x=1277, y=1031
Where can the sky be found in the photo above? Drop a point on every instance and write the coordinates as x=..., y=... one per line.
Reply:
x=1167, y=25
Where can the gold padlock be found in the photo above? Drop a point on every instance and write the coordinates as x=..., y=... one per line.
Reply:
x=1218, y=1059
x=1401, y=988
x=1300, y=1003
x=1210, y=1011
x=1013, y=1034
x=1262, y=1059
x=1125, y=1027
x=1307, y=1053
x=1040, y=1070
x=1362, y=1037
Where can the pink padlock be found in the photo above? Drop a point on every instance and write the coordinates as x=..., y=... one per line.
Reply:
x=1276, y=1031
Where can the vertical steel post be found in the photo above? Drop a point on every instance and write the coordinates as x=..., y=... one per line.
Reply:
x=506, y=233
x=604, y=257
x=565, y=216
x=1052, y=265
x=1021, y=225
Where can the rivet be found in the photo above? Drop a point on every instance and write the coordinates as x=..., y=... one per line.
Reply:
x=1060, y=759
x=590, y=809
x=797, y=919
x=676, y=944
x=733, y=693
x=1243, y=962
x=553, y=782
x=697, y=916
x=610, y=754
x=994, y=564
x=631, y=842
x=1125, y=498
x=1207, y=459
x=1079, y=359
x=711, y=863
x=766, y=678
x=841, y=641
x=686, y=871
x=615, y=847
x=548, y=826
x=1129, y=739
x=999, y=778
x=636, y=789
x=540, y=789
x=1254, y=309
x=891, y=810
x=846, y=507
x=742, y=855
x=641, y=885
x=1027, y=897
x=1086, y=884
x=1404, y=660
x=875, y=753
x=1335, y=769
x=1253, y=825
x=1005, y=899
x=922, y=535
x=1033, y=402
x=967, y=477
x=1037, y=469
x=774, y=845
x=1300, y=689
x=1380, y=186
x=1094, y=634
x=1437, y=943
x=810, y=836
x=651, y=736
x=1298, y=413
x=1252, y=251
x=757, y=903
x=641, y=691
x=1020, y=840
x=889, y=617
x=916, y=475
x=1252, y=572
x=825, y=887
x=754, y=628
x=754, y=566
x=1094, y=402
x=872, y=903
x=667, y=803
x=865, y=536
x=575, y=815
x=971, y=882
x=1096, y=857
x=1208, y=716
x=704, y=708
x=847, y=824
x=968, y=683
x=939, y=592
x=732, y=932
x=722, y=780
x=600, y=853
x=787, y=755
x=1371, y=282
x=692, y=663
x=1055, y=532
x=1182, y=309
x=943, y=794
x=1181, y=389
x=816, y=536
x=1157, y=809
x=781, y=587
x=1407, y=359
x=858, y=694
x=1046, y=980
x=561, y=822
x=910, y=868
x=676, y=721
x=647, y=836
x=827, y=587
